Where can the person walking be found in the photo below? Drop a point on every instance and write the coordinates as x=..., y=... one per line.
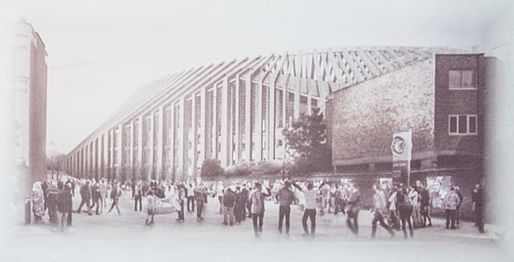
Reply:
x=378, y=210
x=239, y=208
x=51, y=199
x=257, y=207
x=229, y=201
x=352, y=211
x=190, y=198
x=96, y=195
x=477, y=196
x=64, y=207
x=200, y=196
x=181, y=198
x=425, y=204
x=285, y=197
x=451, y=201
x=85, y=195
x=405, y=210
x=115, y=197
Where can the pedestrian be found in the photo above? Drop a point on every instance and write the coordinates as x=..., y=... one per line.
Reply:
x=309, y=212
x=64, y=207
x=150, y=207
x=200, y=196
x=285, y=197
x=229, y=202
x=51, y=198
x=378, y=210
x=181, y=196
x=38, y=204
x=339, y=200
x=352, y=209
x=85, y=195
x=393, y=209
x=115, y=197
x=239, y=208
x=477, y=196
x=457, y=211
x=138, y=196
x=257, y=207
x=190, y=198
x=96, y=196
x=451, y=201
x=405, y=209
x=416, y=206
x=425, y=204
x=219, y=193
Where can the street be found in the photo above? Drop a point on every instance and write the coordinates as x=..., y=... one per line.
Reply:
x=118, y=238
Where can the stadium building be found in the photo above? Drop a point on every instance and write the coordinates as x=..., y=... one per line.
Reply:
x=231, y=111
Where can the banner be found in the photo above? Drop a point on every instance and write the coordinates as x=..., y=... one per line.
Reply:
x=401, y=147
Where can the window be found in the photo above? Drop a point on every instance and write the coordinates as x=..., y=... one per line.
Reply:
x=461, y=79
x=462, y=124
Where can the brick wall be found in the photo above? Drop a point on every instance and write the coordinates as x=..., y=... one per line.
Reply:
x=363, y=117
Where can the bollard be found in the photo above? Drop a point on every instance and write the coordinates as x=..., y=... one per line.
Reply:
x=28, y=212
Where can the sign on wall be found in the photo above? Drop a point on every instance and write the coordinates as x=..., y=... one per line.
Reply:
x=401, y=148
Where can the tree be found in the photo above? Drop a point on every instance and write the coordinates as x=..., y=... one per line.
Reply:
x=211, y=168
x=306, y=142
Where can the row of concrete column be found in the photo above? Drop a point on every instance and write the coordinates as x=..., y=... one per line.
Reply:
x=231, y=112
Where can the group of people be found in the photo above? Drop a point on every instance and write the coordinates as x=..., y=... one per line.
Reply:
x=398, y=208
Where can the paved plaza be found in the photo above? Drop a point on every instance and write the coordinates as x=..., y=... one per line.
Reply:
x=117, y=238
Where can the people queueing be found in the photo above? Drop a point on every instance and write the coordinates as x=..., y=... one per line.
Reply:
x=352, y=209
x=257, y=207
x=115, y=197
x=477, y=196
x=405, y=210
x=378, y=210
x=138, y=196
x=190, y=198
x=85, y=195
x=451, y=201
x=229, y=202
x=64, y=207
x=285, y=197
x=200, y=197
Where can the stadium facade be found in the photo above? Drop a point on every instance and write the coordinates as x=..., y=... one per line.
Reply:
x=231, y=111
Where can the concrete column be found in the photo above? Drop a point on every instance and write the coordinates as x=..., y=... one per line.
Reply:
x=271, y=120
x=131, y=165
x=149, y=162
x=119, y=151
x=159, y=143
x=172, y=140
x=182, y=135
x=248, y=120
x=214, y=127
x=203, y=125
x=296, y=111
x=309, y=98
x=139, y=156
x=193, y=134
x=258, y=118
x=225, y=104
x=237, y=124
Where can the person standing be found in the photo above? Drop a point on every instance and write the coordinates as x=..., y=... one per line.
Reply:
x=477, y=196
x=85, y=195
x=96, y=196
x=451, y=201
x=229, y=201
x=38, y=204
x=51, y=198
x=425, y=204
x=181, y=196
x=379, y=208
x=285, y=197
x=190, y=198
x=115, y=197
x=405, y=209
x=239, y=208
x=200, y=196
x=138, y=196
x=309, y=212
x=257, y=207
x=64, y=206
x=457, y=211
x=352, y=211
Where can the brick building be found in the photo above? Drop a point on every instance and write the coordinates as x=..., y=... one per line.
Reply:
x=439, y=98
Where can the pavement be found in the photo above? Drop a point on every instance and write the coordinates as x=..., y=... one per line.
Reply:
x=125, y=237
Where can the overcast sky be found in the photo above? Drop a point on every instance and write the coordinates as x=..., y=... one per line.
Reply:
x=100, y=51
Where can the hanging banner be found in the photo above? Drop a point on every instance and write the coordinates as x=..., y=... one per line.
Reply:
x=401, y=147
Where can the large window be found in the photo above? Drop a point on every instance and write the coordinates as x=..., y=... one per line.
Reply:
x=461, y=79
x=462, y=124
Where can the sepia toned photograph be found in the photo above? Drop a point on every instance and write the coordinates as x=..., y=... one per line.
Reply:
x=265, y=130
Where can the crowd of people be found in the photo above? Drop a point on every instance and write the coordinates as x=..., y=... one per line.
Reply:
x=398, y=208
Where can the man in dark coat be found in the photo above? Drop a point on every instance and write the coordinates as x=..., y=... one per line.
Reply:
x=85, y=195
x=64, y=207
x=478, y=207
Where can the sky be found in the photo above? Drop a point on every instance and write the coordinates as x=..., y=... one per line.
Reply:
x=100, y=51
